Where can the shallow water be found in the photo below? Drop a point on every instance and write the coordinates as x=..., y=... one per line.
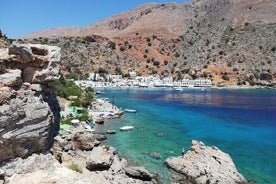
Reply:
x=241, y=123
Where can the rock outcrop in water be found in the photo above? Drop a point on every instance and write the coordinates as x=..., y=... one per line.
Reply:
x=29, y=114
x=203, y=164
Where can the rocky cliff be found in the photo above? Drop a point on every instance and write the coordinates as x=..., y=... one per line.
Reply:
x=29, y=113
x=229, y=41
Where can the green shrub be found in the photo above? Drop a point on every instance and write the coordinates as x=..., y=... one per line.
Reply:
x=112, y=45
x=156, y=63
x=122, y=48
x=221, y=52
x=225, y=77
x=239, y=83
x=65, y=88
x=118, y=71
x=251, y=82
x=75, y=167
x=102, y=71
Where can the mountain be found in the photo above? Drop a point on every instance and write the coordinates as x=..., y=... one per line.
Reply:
x=229, y=41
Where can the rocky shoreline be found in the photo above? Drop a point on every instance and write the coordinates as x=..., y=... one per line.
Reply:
x=79, y=157
x=31, y=151
x=203, y=164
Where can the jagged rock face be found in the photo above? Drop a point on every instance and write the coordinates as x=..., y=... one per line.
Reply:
x=39, y=63
x=29, y=117
x=204, y=164
x=11, y=79
x=26, y=126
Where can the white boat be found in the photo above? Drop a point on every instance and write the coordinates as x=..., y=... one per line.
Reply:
x=130, y=110
x=125, y=128
x=178, y=88
x=143, y=85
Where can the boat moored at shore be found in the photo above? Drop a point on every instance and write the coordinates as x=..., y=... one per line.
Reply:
x=126, y=128
x=131, y=110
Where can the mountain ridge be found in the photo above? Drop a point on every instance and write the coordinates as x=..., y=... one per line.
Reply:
x=201, y=38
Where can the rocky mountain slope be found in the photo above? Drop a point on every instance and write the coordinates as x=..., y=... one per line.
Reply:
x=229, y=41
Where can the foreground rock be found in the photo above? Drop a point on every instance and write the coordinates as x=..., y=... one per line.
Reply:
x=204, y=164
x=29, y=114
x=74, y=164
x=101, y=159
x=26, y=126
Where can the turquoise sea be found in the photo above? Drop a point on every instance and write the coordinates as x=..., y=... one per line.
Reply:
x=240, y=122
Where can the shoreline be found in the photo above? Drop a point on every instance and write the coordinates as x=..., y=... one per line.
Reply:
x=183, y=88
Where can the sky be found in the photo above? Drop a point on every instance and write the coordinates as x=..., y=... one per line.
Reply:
x=21, y=17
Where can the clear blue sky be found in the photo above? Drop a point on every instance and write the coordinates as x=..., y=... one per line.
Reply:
x=21, y=17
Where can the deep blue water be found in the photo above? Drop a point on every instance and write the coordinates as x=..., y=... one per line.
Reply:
x=241, y=123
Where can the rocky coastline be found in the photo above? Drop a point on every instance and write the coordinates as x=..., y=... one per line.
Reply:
x=31, y=151
x=76, y=157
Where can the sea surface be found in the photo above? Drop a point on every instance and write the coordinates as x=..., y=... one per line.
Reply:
x=240, y=122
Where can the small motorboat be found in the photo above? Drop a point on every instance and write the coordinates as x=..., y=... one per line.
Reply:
x=131, y=110
x=125, y=128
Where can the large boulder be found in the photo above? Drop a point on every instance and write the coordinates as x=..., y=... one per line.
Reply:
x=138, y=173
x=101, y=158
x=39, y=63
x=203, y=164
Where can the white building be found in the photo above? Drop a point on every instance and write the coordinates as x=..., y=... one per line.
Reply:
x=114, y=78
x=132, y=74
x=95, y=77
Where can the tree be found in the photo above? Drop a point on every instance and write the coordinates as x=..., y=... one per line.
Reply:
x=112, y=45
x=122, y=48
x=65, y=88
x=156, y=63
x=177, y=54
x=118, y=71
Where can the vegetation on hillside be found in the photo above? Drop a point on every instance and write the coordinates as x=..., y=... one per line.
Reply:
x=69, y=90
